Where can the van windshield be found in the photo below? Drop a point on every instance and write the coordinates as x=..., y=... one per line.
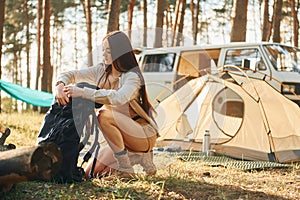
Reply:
x=283, y=58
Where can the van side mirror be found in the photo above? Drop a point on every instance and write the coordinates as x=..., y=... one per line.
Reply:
x=246, y=64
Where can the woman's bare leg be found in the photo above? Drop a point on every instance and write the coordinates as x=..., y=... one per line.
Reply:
x=104, y=164
x=120, y=130
x=110, y=131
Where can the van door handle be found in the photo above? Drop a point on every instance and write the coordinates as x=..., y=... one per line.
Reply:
x=167, y=82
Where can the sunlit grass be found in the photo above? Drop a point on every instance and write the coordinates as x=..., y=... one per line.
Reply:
x=24, y=127
x=175, y=179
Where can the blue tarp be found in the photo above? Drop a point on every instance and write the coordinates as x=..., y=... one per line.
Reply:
x=30, y=96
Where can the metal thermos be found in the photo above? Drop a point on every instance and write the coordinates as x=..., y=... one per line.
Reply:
x=206, y=142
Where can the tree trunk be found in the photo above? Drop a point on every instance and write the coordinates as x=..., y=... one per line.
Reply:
x=266, y=23
x=88, y=19
x=177, y=9
x=38, y=38
x=277, y=20
x=145, y=23
x=28, y=164
x=239, y=26
x=28, y=74
x=160, y=7
x=130, y=16
x=181, y=23
x=2, y=11
x=196, y=21
x=167, y=24
x=192, y=8
x=114, y=14
x=75, y=42
x=47, y=68
x=15, y=71
x=295, y=22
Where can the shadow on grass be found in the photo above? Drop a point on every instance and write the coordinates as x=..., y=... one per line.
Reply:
x=201, y=190
x=147, y=188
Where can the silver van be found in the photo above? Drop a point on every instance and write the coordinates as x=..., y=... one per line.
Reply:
x=167, y=69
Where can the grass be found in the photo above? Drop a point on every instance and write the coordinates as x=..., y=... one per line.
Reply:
x=175, y=179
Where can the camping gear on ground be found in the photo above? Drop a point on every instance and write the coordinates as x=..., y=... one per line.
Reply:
x=246, y=118
x=64, y=126
x=227, y=161
x=206, y=142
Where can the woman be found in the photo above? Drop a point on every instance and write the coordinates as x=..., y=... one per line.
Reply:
x=126, y=118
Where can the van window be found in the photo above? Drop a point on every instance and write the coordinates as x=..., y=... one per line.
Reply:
x=284, y=58
x=158, y=62
x=196, y=63
x=238, y=56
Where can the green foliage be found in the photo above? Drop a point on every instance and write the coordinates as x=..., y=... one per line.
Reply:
x=124, y=6
x=58, y=9
x=173, y=2
x=15, y=25
x=15, y=22
x=220, y=10
x=6, y=104
x=100, y=4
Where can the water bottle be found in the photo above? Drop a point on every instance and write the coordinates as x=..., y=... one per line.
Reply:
x=206, y=142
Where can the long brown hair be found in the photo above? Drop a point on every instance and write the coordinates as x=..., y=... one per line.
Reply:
x=124, y=60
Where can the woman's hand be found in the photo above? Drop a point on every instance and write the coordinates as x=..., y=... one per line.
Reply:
x=60, y=95
x=73, y=91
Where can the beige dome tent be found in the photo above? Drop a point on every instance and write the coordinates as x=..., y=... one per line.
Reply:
x=246, y=118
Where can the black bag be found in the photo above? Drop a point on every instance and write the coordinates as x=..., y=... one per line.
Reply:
x=64, y=126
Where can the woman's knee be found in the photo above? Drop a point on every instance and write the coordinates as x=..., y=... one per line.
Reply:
x=105, y=118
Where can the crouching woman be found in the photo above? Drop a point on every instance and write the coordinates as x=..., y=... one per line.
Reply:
x=125, y=118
